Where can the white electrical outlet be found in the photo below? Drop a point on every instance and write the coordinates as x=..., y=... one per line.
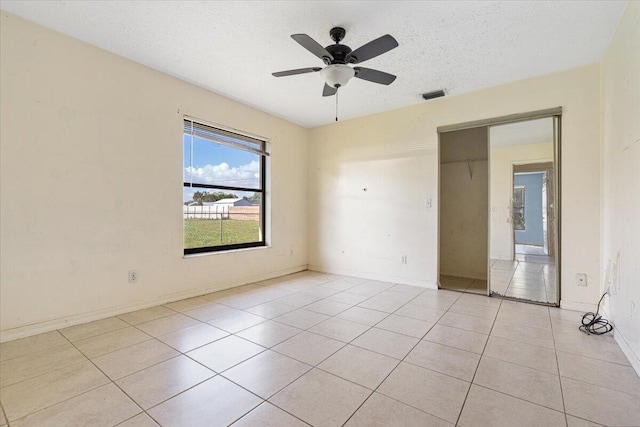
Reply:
x=614, y=277
x=581, y=279
x=403, y=259
x=427, y=202
x=133, y=276
x=632, y=310
x=608, y=283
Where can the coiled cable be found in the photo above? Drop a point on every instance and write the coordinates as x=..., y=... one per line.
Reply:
x=593, y=324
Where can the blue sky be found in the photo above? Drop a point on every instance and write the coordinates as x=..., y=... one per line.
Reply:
x=219, y=164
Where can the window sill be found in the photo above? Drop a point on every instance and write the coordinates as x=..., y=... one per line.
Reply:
x=203, y=254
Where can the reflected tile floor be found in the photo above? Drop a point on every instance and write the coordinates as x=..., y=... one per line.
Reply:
x=524, y=279
x=462, y=284
x=322, y=350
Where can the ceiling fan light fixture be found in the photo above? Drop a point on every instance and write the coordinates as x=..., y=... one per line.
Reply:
x=337, y=75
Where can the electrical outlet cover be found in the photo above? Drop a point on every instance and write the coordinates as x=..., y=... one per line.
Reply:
x=581, y=279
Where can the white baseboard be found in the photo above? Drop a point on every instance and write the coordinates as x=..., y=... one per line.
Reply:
x=54, y=324
x=633, y=358
x=369, y=276
x=627, y=350
x=578, y=306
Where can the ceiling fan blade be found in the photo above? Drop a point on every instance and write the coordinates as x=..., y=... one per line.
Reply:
x=312, y=46
x=374, y=75
x=297, y=71
x=372, y=49
x=328, y=90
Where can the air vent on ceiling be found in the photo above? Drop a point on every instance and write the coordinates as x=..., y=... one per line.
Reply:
x=435, y=94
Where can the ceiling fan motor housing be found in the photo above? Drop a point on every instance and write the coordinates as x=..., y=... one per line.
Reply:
x=340, y=53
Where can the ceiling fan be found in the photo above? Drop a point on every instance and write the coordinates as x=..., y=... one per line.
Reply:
x=337, y=72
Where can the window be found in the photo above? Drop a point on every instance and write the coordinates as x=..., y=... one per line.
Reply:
x=223, y=194
x=518, y=207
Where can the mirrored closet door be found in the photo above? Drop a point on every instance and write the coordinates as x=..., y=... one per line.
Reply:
x=522, y=208
x=498, y=207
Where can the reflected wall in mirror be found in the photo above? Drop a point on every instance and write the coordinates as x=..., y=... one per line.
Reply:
x=523, y=230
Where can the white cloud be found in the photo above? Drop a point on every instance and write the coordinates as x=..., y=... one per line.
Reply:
x=242, y=176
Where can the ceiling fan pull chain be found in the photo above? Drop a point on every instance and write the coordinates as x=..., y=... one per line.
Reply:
x=337, y=91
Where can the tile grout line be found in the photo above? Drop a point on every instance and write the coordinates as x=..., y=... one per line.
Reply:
x=155, y=364
x=516, y=397
x=599, y=385
x=80, y=394
x=316, y=366
x=109, y=378
x=273, y=394
x=216, y=373
x=519, y=364
x=105, y=375
x=596, y=359
x=249, y=391
x=393, y=370
x=372, y=326
x=221, y=373
x=373, y=351
x=294, y=380
x=4, y=414
x=126, y=325
x=299, y=307
x=140, y=323
x=44, y=373
x=555, y=353
x=395, y=359
x=471, y=383
x=37, y=351
x=58, y=369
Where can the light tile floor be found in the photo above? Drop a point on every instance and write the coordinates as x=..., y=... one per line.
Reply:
x=322, y=350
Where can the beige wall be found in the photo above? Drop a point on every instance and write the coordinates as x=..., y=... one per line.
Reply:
x=621, y=161
x=464, y=194
x=97, y=139
x=394, y=156
x=502, y=159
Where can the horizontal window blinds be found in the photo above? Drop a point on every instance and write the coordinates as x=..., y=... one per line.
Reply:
x=224, y=137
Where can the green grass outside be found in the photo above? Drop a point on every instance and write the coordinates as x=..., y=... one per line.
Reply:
x=206, y=232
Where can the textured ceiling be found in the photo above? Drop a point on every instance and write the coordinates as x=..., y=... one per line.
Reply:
x=232, y=47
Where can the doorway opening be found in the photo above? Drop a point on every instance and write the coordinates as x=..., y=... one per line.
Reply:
x=533, y=201
x=533, y=270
